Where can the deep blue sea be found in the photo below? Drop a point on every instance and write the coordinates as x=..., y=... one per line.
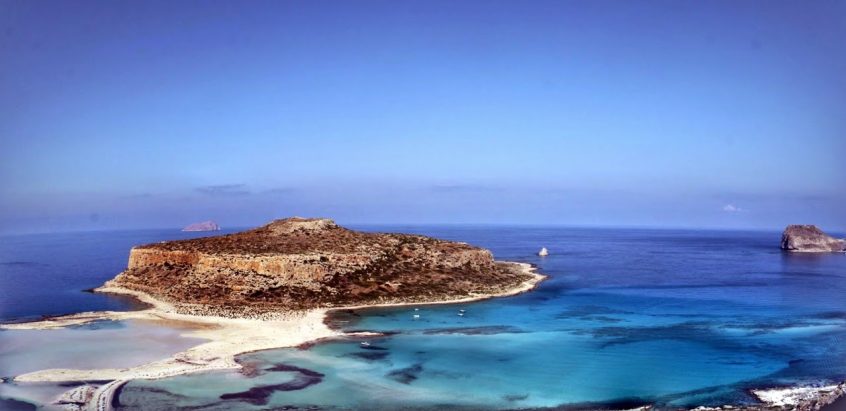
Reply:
x=677, y=318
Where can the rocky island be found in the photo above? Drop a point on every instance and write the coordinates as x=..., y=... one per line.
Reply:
x=202, y=226
x=300, y=263
x=809, y=238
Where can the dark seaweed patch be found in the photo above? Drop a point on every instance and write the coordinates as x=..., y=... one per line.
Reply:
x=370, y=356
x=406, y=375
x=515, y=397
x=373, y=347
x=260, y=395
x=291, y=368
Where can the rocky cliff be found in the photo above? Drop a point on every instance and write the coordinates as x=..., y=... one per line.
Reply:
x=809, y=238
x=299, y=263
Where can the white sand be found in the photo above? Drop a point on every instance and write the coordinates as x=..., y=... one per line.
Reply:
x=227, y=337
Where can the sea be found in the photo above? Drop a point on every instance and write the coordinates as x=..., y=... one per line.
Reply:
x=627, y=317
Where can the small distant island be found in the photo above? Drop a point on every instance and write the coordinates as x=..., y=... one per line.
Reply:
x=202, y=226
x=810, y=239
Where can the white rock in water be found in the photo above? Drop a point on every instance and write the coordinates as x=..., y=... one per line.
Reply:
x=543, y=252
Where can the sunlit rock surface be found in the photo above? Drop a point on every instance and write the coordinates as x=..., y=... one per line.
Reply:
x=299, y=263
x=809, y=238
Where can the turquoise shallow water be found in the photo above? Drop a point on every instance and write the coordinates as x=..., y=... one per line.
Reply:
x=101, y=344
x=674, y=318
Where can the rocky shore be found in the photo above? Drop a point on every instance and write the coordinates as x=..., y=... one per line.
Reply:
x=300, y=264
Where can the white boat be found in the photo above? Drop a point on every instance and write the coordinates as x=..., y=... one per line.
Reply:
x=416, y=315
x=461, y=314
x=543, y=252
x=365, y=343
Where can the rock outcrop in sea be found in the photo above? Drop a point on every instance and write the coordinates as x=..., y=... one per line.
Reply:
x=300, y=263
x=203, y=226
x=809, y=238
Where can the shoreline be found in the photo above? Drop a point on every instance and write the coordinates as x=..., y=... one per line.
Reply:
x=524, y=287
x=226, y=337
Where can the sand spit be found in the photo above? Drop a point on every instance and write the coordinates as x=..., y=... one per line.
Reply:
x=227, y=338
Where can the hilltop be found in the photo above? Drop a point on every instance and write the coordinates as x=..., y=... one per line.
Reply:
x=302, y=263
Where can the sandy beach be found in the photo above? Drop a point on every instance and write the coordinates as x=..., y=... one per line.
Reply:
x=227, y=337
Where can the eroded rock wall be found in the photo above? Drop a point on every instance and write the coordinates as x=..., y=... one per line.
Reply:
x=809, y=238
x=300, y=263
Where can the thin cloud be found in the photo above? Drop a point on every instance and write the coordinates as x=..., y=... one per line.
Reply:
x=777, y=196
x=463, y=188
x=280, y=191
x=731, y=208
x=137, y=196
x=224, y=190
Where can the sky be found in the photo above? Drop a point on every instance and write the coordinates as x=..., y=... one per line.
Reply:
x=123, y=114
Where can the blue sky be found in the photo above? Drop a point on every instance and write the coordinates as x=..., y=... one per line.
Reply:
x=125, y=114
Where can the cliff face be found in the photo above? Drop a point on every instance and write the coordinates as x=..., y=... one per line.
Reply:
x=809, y=238
x=300, y=263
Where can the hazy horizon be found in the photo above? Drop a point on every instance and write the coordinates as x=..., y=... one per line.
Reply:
x=124, y=115
x=395, y=226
